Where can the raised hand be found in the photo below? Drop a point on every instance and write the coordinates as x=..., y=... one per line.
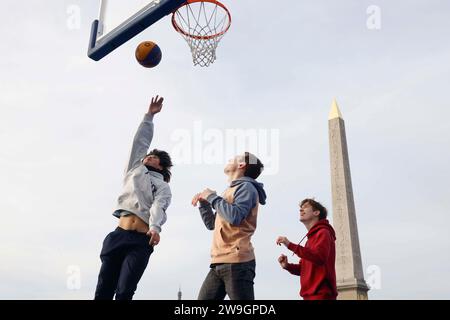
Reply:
x=283, y=260
x=195, y=199
x=283, y=240
x=156, y=105
x=201, y=197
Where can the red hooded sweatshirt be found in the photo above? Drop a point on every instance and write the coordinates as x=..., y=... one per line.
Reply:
x=317, y=264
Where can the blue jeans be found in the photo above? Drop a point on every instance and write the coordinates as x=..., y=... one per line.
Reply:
x=234, y=279
x=124, y=256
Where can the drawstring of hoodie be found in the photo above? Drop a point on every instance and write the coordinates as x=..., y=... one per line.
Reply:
x=321, y=223
x=300, y=242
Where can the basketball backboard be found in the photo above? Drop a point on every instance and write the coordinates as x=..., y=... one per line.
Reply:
x=121, y=20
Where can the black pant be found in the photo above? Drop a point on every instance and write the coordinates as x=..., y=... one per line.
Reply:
x=234, y=279
x=124, y=256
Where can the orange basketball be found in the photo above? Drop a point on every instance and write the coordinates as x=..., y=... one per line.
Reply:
x=148, y=54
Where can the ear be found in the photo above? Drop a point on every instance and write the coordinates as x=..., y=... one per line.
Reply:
x=241, y=165
x=316, y=213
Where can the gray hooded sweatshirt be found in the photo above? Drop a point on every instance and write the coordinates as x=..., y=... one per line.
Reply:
x=145, y=193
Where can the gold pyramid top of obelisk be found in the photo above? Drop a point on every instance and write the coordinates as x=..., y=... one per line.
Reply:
x=335, y=112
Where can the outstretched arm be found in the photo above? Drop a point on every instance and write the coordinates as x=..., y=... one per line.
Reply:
x=318, y=255
x=144, y=134
x=291, y=267
x=206, y=212
x=245, y=198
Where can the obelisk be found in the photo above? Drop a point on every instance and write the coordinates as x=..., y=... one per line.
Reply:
x=349, y=271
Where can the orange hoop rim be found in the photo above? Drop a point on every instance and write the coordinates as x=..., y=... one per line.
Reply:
x=193, y=36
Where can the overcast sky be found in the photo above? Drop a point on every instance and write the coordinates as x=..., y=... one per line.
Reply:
x=66, y=126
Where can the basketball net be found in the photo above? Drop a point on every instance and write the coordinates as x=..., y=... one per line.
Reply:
x=202, y=23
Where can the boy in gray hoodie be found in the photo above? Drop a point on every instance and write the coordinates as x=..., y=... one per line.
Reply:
x=232, y=268
x=141, y=209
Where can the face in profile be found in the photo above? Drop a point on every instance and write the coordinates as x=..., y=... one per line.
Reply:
x=307, y=212
x=234, y=164
x=152, y=161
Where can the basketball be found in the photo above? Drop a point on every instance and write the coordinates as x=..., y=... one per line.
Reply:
x=148, y=54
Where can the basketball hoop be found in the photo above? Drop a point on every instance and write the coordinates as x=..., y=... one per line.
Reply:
x=202, y=23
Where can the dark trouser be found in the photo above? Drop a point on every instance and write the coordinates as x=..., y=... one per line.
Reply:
x=124, y=258
x=234, y=279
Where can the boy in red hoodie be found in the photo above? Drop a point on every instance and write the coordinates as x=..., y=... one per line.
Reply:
x=317, y=258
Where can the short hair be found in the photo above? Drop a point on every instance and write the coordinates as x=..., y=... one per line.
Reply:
x=164, y=161
x=253, y=166
x=317, y=206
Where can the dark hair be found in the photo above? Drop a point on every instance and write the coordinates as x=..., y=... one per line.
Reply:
x=164, y=161
x=253, y=167
x=317, y=206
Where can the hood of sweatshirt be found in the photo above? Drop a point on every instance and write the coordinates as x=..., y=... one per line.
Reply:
x=259, y=187
x=322, y=224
